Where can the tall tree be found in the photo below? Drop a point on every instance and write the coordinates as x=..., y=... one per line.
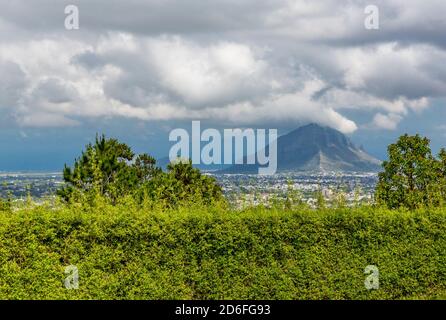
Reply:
x=108, y=167
x=111, y=169
x=412, y=176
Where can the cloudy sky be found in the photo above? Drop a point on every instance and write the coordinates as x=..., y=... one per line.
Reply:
x=136, y=69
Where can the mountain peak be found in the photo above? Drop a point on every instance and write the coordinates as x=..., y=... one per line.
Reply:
x=319, y=148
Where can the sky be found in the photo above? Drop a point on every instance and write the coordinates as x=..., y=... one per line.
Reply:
x=137, y=69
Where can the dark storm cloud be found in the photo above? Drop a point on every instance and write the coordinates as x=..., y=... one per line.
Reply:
x=408, y=22
x=54, y=91
x=89, y=60
x=142, y=16
x=12, y=84
x=256, y=60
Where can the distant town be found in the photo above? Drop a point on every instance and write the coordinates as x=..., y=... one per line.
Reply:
x=258, y=189
x=239, y=188
x=19, y=185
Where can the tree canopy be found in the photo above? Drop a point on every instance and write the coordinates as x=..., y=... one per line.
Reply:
x=412, y=176
x=111, y=169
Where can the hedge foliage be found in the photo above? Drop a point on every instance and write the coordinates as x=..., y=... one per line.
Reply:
x=132, y=252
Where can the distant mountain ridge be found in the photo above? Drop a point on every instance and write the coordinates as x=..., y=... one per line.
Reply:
x=316, y=148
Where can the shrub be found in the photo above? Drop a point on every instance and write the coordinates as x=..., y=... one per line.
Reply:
x=5, y=205
x=182, y=184
x=131, y=252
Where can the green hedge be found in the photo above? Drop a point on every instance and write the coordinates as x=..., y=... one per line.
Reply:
x=128, y=253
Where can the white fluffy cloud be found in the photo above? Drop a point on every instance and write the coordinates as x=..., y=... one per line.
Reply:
x=281, y=62
x=387, y=122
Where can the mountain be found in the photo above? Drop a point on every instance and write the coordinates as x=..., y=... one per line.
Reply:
x=316, y=148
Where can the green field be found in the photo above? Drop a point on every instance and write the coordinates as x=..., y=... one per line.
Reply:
x=136, y=252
